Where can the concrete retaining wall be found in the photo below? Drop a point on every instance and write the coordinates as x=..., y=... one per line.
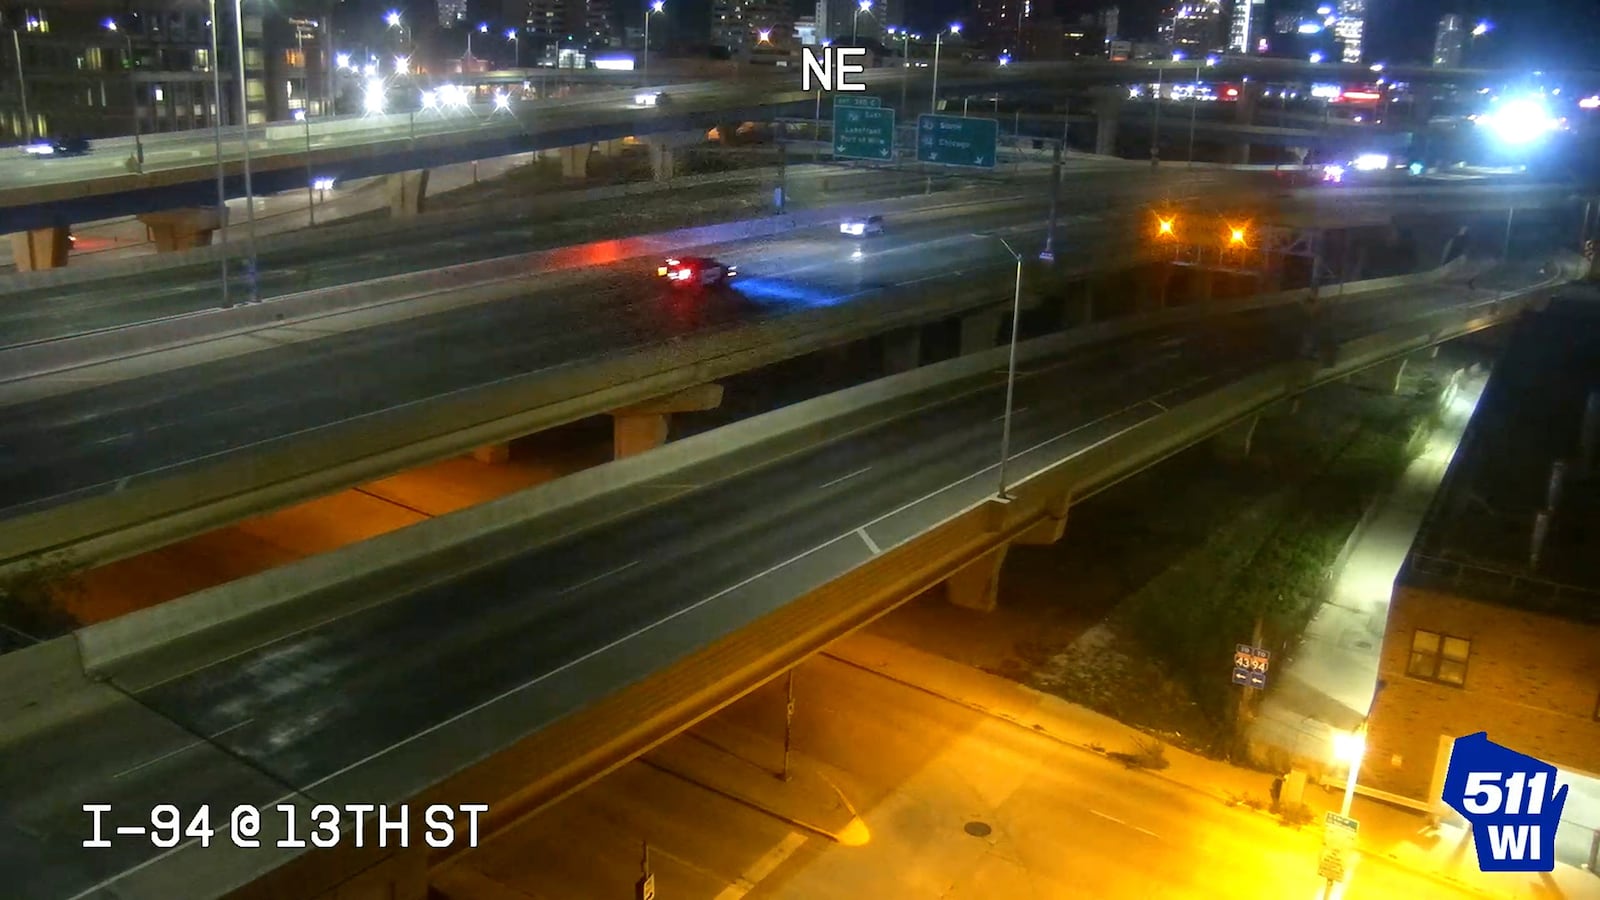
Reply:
x=317, y=589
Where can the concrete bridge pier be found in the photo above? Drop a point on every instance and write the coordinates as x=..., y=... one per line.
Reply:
x=175, y=230
x=1233, y=443
x=977, y=584
x=663, y=160
x=980, y=331
x=407, y=193
x=575, y=162
x=1107, y=107
x=902, y=350
x=40, y=248
x=643, y=426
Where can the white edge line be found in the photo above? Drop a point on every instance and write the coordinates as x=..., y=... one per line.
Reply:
x=844, y=478
x=871, y=544
x=602, y=576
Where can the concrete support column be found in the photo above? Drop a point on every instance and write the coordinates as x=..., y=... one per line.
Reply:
x=977, y=584
x=1049, y=529
x=1233, y=443
x=1107, y=107
x=176, y=230
x=902, y=350
x=979, y=331
x=1383, y=377
x=662, y=162
x=575, y=161
x=407, y=193
x=644, y=426
x=610, y=149
x=40, y=248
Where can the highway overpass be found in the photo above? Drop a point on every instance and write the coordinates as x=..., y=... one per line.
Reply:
x=180, y=168
x=510, y=653
x=109, y=459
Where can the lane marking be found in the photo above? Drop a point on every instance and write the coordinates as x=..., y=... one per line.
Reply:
x=601, y=577
x=871, y=544
x=1158, y=406
x=165, y=756
x=1014, y=414
x=1124, y=824
x=843, y=478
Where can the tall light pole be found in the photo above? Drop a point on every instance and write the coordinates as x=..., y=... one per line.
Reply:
x=855, y=21
x=133, y=96
x=938, y=39
x=22, y=87
x=1048, y=254
x=1194, y=105
x=311, y=197
x=655, y=7
x=905, y=60
x=244, y=131
x=1011, y=366
x=216, y=131
x=516, y=47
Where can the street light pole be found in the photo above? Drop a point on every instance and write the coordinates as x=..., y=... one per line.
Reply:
x=654, y=7
x=1155, y=123
x=1011, y=365
x=216, y=131
x=1194, y=110
x=133, y=91
x=244, y=126
x=22, y=88
x=311, y=211
x=938, y=39
x=1048, y=254
x=1505, y=253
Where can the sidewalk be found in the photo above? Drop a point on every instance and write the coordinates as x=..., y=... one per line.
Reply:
x=1327, y=686
x=1389, y=836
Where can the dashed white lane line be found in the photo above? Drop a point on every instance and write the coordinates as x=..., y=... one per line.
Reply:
x=1123, y=824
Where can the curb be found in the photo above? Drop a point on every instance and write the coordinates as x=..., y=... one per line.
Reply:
x=1220, y=797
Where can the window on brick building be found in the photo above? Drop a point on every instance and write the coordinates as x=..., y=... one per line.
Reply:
x=1438, y=657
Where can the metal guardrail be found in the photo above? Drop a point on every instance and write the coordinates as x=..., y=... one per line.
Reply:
x=1502, y=585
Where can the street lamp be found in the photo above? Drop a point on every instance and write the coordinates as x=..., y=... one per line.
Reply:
x=216, y=130
x=516, y=47
x=855, y=21
x=1011, y=366
x=1315, y=57
x=905, y=60
x=1194, y=104
x=373, y=98
x=244, y=131
x=133, y=95
x=483, y=28
x=938, y=39
x=22, y=85
x=311, y=197
x=656, y=6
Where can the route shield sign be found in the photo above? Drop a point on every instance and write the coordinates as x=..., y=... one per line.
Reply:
x=863, y=133
x=957, y=141
x=872, y=102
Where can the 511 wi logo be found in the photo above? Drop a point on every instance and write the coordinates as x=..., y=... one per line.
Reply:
x=1511, y=800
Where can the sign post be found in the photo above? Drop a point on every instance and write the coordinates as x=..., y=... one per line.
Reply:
x=862, y=132
x=957, y=141
x=1338, y=849
x=1250, y=666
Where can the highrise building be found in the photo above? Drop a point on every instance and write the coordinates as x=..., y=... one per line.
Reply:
x=151, y=69
x=1195, y=28
x=1249, y=20
x=599, y=23
x=736, y=25
x=1350, y=27
x=1448, y=42
x=1110, y=20
x=452, y=13
x=546, y=22
x=1004, y=26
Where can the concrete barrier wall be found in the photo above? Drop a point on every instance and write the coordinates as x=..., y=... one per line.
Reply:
x=115, y=343
x=316, y=589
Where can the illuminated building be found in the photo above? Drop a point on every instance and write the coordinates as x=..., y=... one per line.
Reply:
x=1349, y=27
x=1448, y=43
x=1249, y=19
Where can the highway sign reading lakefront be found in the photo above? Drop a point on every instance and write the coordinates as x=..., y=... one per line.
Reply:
x=863, y=133
x=957, y=141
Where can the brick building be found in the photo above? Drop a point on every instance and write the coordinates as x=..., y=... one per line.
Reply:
x=1495, y=620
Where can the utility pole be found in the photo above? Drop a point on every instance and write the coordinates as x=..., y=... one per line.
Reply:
x=788, y=726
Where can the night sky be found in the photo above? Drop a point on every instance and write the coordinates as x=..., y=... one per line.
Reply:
x=1527, y=33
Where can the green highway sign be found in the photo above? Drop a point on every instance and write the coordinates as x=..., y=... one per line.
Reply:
x=863, y=132
x=872, y=102
x=957, y=141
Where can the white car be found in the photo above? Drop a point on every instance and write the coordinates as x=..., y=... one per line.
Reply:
x=862, y=227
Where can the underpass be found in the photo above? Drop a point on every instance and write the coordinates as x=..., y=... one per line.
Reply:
x=563, y=598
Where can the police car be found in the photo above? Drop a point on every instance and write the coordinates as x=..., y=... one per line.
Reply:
x=696, y=272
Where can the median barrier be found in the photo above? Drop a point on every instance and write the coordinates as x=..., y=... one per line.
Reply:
x=280, y=601
x=114, y=343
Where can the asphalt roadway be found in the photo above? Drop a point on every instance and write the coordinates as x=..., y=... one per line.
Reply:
x=69, y=446
x=321, y=710
x=61, y=311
